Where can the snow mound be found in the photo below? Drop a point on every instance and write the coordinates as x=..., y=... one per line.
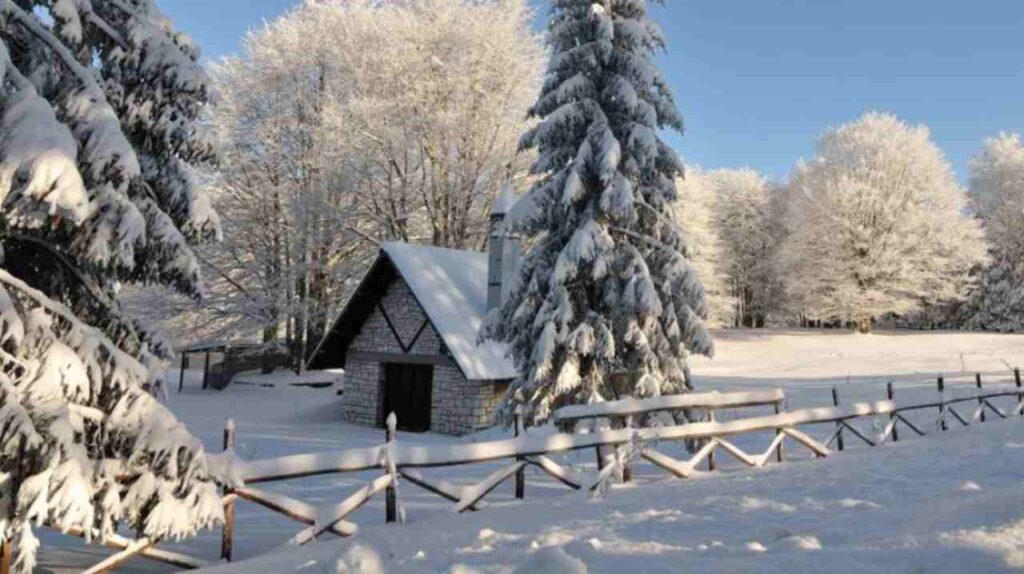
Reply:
x=552, y=560
x=798, y=543
x=756, y=546
x=359, y=559
x=552, y=538
x=1006, y=541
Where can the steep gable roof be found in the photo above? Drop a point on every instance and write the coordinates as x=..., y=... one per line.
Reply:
x=451, y=286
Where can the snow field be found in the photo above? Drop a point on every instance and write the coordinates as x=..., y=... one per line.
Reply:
x=867, y=507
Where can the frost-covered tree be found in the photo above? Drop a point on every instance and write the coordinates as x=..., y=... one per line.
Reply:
x=696, y=211
x=997, y=198
x=607, y=303
x=877, y=225
x=344, y=124
x=748, y=222
x=98, y=136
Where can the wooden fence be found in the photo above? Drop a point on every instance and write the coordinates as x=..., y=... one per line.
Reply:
x=617, y=447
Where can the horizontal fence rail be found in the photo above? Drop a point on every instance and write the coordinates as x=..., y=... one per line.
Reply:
x=702, y=401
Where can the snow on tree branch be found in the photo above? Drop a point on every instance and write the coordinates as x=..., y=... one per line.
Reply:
x=99, y=112
x=607, y=303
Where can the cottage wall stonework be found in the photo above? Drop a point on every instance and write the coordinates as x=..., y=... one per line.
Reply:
x=458, y=406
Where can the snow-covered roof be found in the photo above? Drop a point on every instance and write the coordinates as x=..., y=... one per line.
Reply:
x=451, y=286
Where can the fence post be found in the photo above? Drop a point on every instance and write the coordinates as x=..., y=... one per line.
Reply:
x=711, y=455
x=228, y=533
x=5, y=557
x=206, y=371
x=778, y=451
x=627, y=470
x=390, y=496
x=1020, y=397
x=891, y=393
x=981, y=401
x=521, y=473
x=184, y=365
x=942, y=403
x=839, y=424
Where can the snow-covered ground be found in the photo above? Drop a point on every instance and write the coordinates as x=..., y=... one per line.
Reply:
x=949, y=504
x=334, y=377
x=808, y=363
x=946, y=503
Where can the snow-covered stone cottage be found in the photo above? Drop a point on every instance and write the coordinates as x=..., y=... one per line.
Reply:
x=407, y=338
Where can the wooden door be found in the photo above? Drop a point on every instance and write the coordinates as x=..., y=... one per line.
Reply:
x=408, y=390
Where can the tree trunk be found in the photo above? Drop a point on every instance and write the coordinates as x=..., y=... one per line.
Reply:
x=267, y=361
x=864, y=325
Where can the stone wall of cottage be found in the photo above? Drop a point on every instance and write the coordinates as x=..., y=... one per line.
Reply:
x=458, y=406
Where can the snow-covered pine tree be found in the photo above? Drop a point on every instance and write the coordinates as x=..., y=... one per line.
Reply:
x=606, y=303
x=98, y=133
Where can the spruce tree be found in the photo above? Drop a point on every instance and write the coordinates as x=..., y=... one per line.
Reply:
x=606, y=303
x=99, y=132
x=999, y=301
x=997, y=198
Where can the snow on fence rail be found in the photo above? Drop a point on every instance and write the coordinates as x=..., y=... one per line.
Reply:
x=703, y=401
x=617, y=448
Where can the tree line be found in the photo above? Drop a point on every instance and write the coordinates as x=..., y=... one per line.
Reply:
x=875, y=228
x=343, y=125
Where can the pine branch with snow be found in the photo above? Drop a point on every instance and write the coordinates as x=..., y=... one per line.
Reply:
x=99, y=134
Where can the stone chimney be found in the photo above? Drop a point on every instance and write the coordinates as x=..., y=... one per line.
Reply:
x=503, y=250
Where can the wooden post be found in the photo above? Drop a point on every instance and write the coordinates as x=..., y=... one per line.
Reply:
x=227, y=536
x=839, y=424
x=889, y=392
x=600, y=450
x=5, y=557
x=1020, y=397
x=627, y=470
x=521, y=473
x=981, y=401
x=778, y=451
x=711, y=455
x=390, y=496
x=942, y=404
x=206, y=371
x=184, y=365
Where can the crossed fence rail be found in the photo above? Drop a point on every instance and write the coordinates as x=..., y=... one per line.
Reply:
x=617, y=448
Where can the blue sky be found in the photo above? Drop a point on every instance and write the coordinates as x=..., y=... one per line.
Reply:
x=758, y=80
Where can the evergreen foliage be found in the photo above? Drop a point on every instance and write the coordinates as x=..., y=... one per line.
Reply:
x=99, y=133
x=607, y=302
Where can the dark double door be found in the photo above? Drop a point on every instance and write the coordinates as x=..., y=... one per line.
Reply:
x=407, y=393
